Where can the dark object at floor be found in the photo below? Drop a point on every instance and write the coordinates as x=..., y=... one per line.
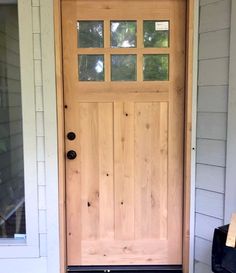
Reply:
x=126, y=269
x=223, y=257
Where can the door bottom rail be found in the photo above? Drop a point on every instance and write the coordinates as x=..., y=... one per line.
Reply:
x=128, y=269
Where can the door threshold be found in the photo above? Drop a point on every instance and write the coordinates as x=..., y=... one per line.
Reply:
x=128, y=268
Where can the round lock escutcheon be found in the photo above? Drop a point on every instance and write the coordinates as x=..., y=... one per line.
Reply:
x=71, y=136
x=71, y=155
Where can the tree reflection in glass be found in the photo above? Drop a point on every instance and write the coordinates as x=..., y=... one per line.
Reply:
x=90, y=34
x=91, y=68
x=123, y=34
x=156, y=67
x=123, y=67
x=156, y=34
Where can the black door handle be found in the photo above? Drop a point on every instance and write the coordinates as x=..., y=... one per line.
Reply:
x=71, y=136
x=71, y=155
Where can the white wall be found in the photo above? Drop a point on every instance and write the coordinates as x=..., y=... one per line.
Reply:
x=212, y=107
x=211, y=134
x=46, y=139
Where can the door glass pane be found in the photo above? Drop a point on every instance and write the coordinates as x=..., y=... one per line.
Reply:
x=156, y=33
x=123, y=33
x=90, y=34
x=91, y=68
x=156, y=67
x=12, y=197
x=123, y=67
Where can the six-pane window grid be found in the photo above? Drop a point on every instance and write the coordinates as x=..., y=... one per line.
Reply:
x=123, y=34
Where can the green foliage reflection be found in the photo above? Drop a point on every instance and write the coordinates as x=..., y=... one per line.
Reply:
x=123, y=34
x=91, y=68
x=153, y=37
x=156, y=67
x=123, y=67
x=90, y=34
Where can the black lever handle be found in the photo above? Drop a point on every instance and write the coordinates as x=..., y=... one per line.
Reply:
x=71, y=155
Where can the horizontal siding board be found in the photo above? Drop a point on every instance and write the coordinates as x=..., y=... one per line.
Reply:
x=213, y=99
x=213, y=72
x=210, y=178
x=212, y=125
x=215, y=16
x=220, y=40
x=203, y=251
x=211, y=152
x=205, y=226
x=11, y=42
x=9, y=57
x=210, y=203
x=202, y=268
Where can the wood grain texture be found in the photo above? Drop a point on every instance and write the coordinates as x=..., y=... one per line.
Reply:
x=125, y=188
x=61, y=132
x=231, y=236
x=189, y=83
x=124, y=170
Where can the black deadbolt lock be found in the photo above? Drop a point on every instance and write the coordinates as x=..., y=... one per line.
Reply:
x=71, y=136
x=71, y=154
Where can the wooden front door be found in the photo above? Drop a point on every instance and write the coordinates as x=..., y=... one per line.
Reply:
x=124, y=71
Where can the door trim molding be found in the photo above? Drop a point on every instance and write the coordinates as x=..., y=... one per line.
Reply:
x=189, y=153
x=60, y=132
x=190, y=134
x=128, y=268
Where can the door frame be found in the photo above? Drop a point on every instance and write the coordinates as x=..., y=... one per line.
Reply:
x=189, y=143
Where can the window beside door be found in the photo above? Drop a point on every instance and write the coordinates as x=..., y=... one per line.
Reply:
x=12, y=196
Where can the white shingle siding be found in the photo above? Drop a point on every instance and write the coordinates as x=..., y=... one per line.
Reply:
x=213, y=80
x=40, y=132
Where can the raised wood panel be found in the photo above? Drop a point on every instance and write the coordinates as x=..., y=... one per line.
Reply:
x=124, y=170
x=96, y=153
x=106, y=170
x=89, y=169
x=151, y=150
x=138, y=142
x=135, y=252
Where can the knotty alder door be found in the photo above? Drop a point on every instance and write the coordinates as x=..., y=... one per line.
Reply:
x=124, y=70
